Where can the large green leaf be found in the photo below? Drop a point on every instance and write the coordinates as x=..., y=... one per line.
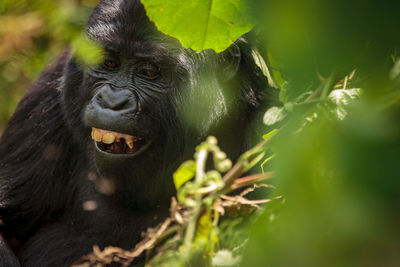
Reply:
x=200, y=24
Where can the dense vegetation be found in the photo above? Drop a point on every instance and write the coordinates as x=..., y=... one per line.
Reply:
x=333, y=197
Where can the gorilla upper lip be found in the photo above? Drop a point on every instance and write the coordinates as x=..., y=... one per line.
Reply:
x=117, y=143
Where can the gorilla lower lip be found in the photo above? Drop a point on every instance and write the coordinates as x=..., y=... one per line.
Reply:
x=117, y=143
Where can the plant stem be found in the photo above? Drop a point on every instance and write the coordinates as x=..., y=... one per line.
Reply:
x=250, y=180
x=191, y=228
x=308, y=102
x=327, y=86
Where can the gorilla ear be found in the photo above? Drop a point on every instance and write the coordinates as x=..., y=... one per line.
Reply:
x=229, y=63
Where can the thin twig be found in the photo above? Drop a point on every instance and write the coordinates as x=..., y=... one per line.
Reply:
x=251, y=179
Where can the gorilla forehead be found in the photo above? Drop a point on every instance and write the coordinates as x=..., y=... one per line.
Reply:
x=122, y=25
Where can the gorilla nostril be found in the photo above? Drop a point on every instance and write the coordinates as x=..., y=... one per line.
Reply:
x=117, y=100
x=119, y=105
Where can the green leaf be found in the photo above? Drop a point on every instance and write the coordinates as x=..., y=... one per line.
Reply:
x=274, y=115
x=225, y=258
x=269, y=134
x=395, y=71
x=343, y=97
x=200, y=24
x=87, y=51
x=204, y=228
x=184, y=173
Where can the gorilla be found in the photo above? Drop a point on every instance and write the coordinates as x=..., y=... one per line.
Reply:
x=88, y=156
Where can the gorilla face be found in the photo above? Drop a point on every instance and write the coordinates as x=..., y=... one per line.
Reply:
x=131, y=116
x=125, y=111
x=132, y=89
x=141, y=112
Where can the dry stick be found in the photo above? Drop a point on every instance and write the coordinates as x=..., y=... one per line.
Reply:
x=148, y=244
x=162, y=237
x=255, y=186
x=345, y=82
x=128, y=255
x=244, y=200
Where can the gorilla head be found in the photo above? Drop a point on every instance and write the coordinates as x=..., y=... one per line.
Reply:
x=151, y=101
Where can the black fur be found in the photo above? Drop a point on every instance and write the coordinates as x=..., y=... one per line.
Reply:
x=49, y=167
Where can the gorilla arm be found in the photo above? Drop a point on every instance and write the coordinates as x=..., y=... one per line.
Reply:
x=34, y=151
x=7, y=257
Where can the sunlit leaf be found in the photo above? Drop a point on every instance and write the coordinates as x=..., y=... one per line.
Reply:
x=274, y=115
x=204, y=228
x=395, y=71
x=207, y=24
x=271, y=133
x=184, y=173
x=344, y=96
x=225, y=258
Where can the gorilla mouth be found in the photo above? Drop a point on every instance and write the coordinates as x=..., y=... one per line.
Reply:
x=117, y=143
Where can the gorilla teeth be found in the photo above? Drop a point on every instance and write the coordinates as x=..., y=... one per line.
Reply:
x=117, y=142
x=108, y=138
x=129, y=142
x=97, y=135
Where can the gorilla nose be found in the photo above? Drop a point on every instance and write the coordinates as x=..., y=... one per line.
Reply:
x=116, y=99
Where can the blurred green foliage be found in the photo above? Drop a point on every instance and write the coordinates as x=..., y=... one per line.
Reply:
x=309, y=40
x=340, y=182
x=339, y=175
x=32, y=34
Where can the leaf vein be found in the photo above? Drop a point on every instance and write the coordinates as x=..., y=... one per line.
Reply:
x=207, y=24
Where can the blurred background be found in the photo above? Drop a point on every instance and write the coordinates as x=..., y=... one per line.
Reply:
x=340, y=178
x=32, y=34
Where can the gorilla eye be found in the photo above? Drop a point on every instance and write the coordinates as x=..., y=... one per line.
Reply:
x=149, y=70
x=111, y=64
